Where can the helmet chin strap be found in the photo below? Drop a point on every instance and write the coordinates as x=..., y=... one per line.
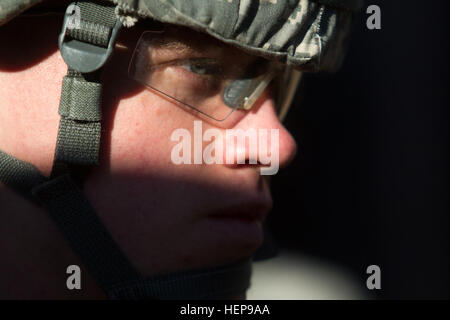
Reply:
x=103, y=258
x=86, y=49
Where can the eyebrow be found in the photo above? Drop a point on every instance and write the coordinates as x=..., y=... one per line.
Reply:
x=194, y=43
x=175, y=44
x=191, y=41
x=198, y=43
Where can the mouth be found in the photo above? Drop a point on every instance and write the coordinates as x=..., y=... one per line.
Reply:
x=250, y=208
x=238, y=223
x=240, y=227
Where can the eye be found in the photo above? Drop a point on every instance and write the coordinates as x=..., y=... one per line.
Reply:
x=195, y=68
x=202, y=66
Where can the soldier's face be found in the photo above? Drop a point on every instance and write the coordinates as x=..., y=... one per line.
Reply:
x=165, y=216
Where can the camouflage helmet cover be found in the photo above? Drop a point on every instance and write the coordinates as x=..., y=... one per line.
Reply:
x=309, y=34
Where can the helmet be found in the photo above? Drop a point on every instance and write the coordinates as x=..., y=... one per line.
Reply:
x=308, y=35
x=311, y=34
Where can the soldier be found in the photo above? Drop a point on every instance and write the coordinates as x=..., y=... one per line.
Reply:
x=88, y=138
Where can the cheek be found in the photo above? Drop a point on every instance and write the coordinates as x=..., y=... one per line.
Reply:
x=140, y=132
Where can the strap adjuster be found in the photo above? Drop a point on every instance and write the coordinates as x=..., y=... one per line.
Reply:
x=82, y=56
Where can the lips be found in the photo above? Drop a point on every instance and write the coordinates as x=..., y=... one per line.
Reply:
x=247, y=205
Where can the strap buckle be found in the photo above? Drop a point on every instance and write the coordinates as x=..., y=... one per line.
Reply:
x=82, y=56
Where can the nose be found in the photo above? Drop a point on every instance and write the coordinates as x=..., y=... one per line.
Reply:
x=263, y=119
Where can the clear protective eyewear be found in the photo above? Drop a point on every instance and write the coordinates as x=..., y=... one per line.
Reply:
x=208, y=76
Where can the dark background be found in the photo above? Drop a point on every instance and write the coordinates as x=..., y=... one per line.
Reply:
x=370, y=184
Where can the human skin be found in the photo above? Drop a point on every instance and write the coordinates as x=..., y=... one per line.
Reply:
x=159, y=213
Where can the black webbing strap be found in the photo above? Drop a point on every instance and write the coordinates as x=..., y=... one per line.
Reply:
x=78, y=147
x=209, y=283
x=79, y=130
x=75, y=217
x=97, y=20
x=103, y=258
x=87, y=236
x=19, y=175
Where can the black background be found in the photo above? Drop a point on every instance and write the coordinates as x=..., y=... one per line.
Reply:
x=370, y=183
